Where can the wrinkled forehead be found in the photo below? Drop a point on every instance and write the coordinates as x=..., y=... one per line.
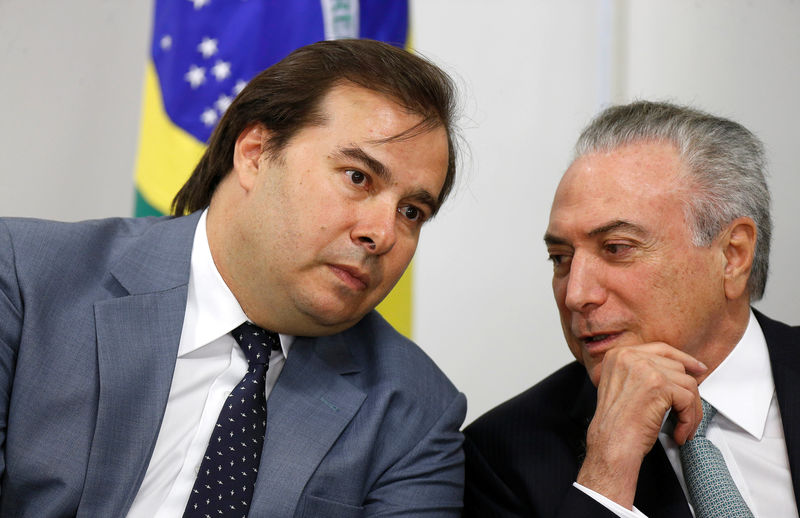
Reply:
x=637, y=183
x=635, y=170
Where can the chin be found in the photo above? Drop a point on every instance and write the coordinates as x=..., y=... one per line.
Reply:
x=330, y=321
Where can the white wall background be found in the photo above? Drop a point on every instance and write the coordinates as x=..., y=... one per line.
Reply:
x=532, y=73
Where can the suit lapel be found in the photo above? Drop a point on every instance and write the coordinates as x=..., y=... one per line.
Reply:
x=783, y=343
x=137, y=343
x=658, y=493
x=308, y=409
x=581, y=415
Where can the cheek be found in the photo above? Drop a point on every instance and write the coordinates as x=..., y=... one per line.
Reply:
x=559, y=290
x=559, y=295
x=677, y=297
x=402, y=253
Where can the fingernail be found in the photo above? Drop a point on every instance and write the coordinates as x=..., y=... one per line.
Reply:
x=702, y=365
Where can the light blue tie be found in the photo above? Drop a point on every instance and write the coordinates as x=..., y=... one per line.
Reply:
x=711, y=489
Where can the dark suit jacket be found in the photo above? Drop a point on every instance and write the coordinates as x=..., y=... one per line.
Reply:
x=359, y=423
x=524, y=455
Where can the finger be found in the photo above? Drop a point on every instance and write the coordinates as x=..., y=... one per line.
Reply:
x=635, y=358
x=653, y=385
x=661, y=349
x=689, y=412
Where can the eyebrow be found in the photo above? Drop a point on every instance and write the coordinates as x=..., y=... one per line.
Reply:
x=372, y=163
x=376, y=166
x=551, y=239
x=618, y=225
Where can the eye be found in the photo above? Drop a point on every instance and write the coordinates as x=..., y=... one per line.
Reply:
x=411, y=213
x=560, y=261
x=617, y=248
x=357, y=177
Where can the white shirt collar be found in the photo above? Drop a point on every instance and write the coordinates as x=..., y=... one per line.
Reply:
x=217, y=311
x=741, y=387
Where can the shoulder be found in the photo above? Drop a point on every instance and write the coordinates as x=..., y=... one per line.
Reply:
x=525, y=453
x=52, y=264
x=45, y=237
x=393, y=359
x=547, y=421
x=37, y=250
x=782, y=344
x=546, y=405
x=38, y=245
x=404, y=387
x=774, y=329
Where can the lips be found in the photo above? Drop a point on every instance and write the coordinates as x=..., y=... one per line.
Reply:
x=353, y=276
x=598, y=343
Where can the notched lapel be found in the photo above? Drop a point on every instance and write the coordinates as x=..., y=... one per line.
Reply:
x=138, y=334
x=307, y=411
x=137, y=344
x=658, y=492
x=783, y=343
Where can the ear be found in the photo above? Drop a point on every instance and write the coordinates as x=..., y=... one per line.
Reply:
x=247, y=153
x=738, y=245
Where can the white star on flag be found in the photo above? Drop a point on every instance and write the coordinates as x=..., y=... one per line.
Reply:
x=196, y=76
x=200, y=3
x=221, y=70
x=239, y=86
x=207, y=47
x=223, y=102
x=209, y=117
x=166, y=42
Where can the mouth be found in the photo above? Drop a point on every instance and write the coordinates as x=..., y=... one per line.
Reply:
x=598, y=343
x=356, y=278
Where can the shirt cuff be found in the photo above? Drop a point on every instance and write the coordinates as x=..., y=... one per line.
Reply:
x=610, y=504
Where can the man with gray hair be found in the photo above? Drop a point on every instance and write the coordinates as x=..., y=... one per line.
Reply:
x=683, y=400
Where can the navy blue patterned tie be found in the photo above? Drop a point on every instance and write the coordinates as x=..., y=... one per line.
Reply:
x=227, y=475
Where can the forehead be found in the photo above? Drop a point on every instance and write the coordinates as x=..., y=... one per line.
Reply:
x=358, y=109
x=357, y=121
x=640, y=182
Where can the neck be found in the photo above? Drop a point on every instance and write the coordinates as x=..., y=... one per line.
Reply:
x=727, y=331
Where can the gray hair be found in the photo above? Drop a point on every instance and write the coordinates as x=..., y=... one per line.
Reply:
x=724, y=160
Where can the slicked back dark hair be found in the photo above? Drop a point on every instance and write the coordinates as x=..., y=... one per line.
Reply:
x=286, y=98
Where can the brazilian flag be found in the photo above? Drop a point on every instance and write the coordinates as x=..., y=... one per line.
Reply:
x=204, y=52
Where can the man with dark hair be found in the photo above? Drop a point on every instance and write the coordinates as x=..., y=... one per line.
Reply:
x=683, y=400
x=229, y=362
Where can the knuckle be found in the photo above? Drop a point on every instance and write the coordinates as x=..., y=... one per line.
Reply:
x=624, y=354
x=653, y=378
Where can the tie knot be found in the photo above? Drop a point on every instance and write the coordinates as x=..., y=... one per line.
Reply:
x=708, y=414
x=257, y=343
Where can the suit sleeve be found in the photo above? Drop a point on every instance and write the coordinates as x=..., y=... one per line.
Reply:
x=488, y=496
x=428, y=481
x=10, y=330
x=485, y=493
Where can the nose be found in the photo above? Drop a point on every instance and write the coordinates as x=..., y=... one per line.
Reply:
x=375, y=227
x=585, y=284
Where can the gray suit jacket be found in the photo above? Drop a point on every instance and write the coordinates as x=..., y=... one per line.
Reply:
x=361, y=423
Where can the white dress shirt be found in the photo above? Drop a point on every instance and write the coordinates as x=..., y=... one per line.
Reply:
x=209, y=365
x=747, y=430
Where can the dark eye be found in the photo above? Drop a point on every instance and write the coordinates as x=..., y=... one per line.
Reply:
x=561, y=260
x=411, y=212
x=617, y=248
x=357, y=177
